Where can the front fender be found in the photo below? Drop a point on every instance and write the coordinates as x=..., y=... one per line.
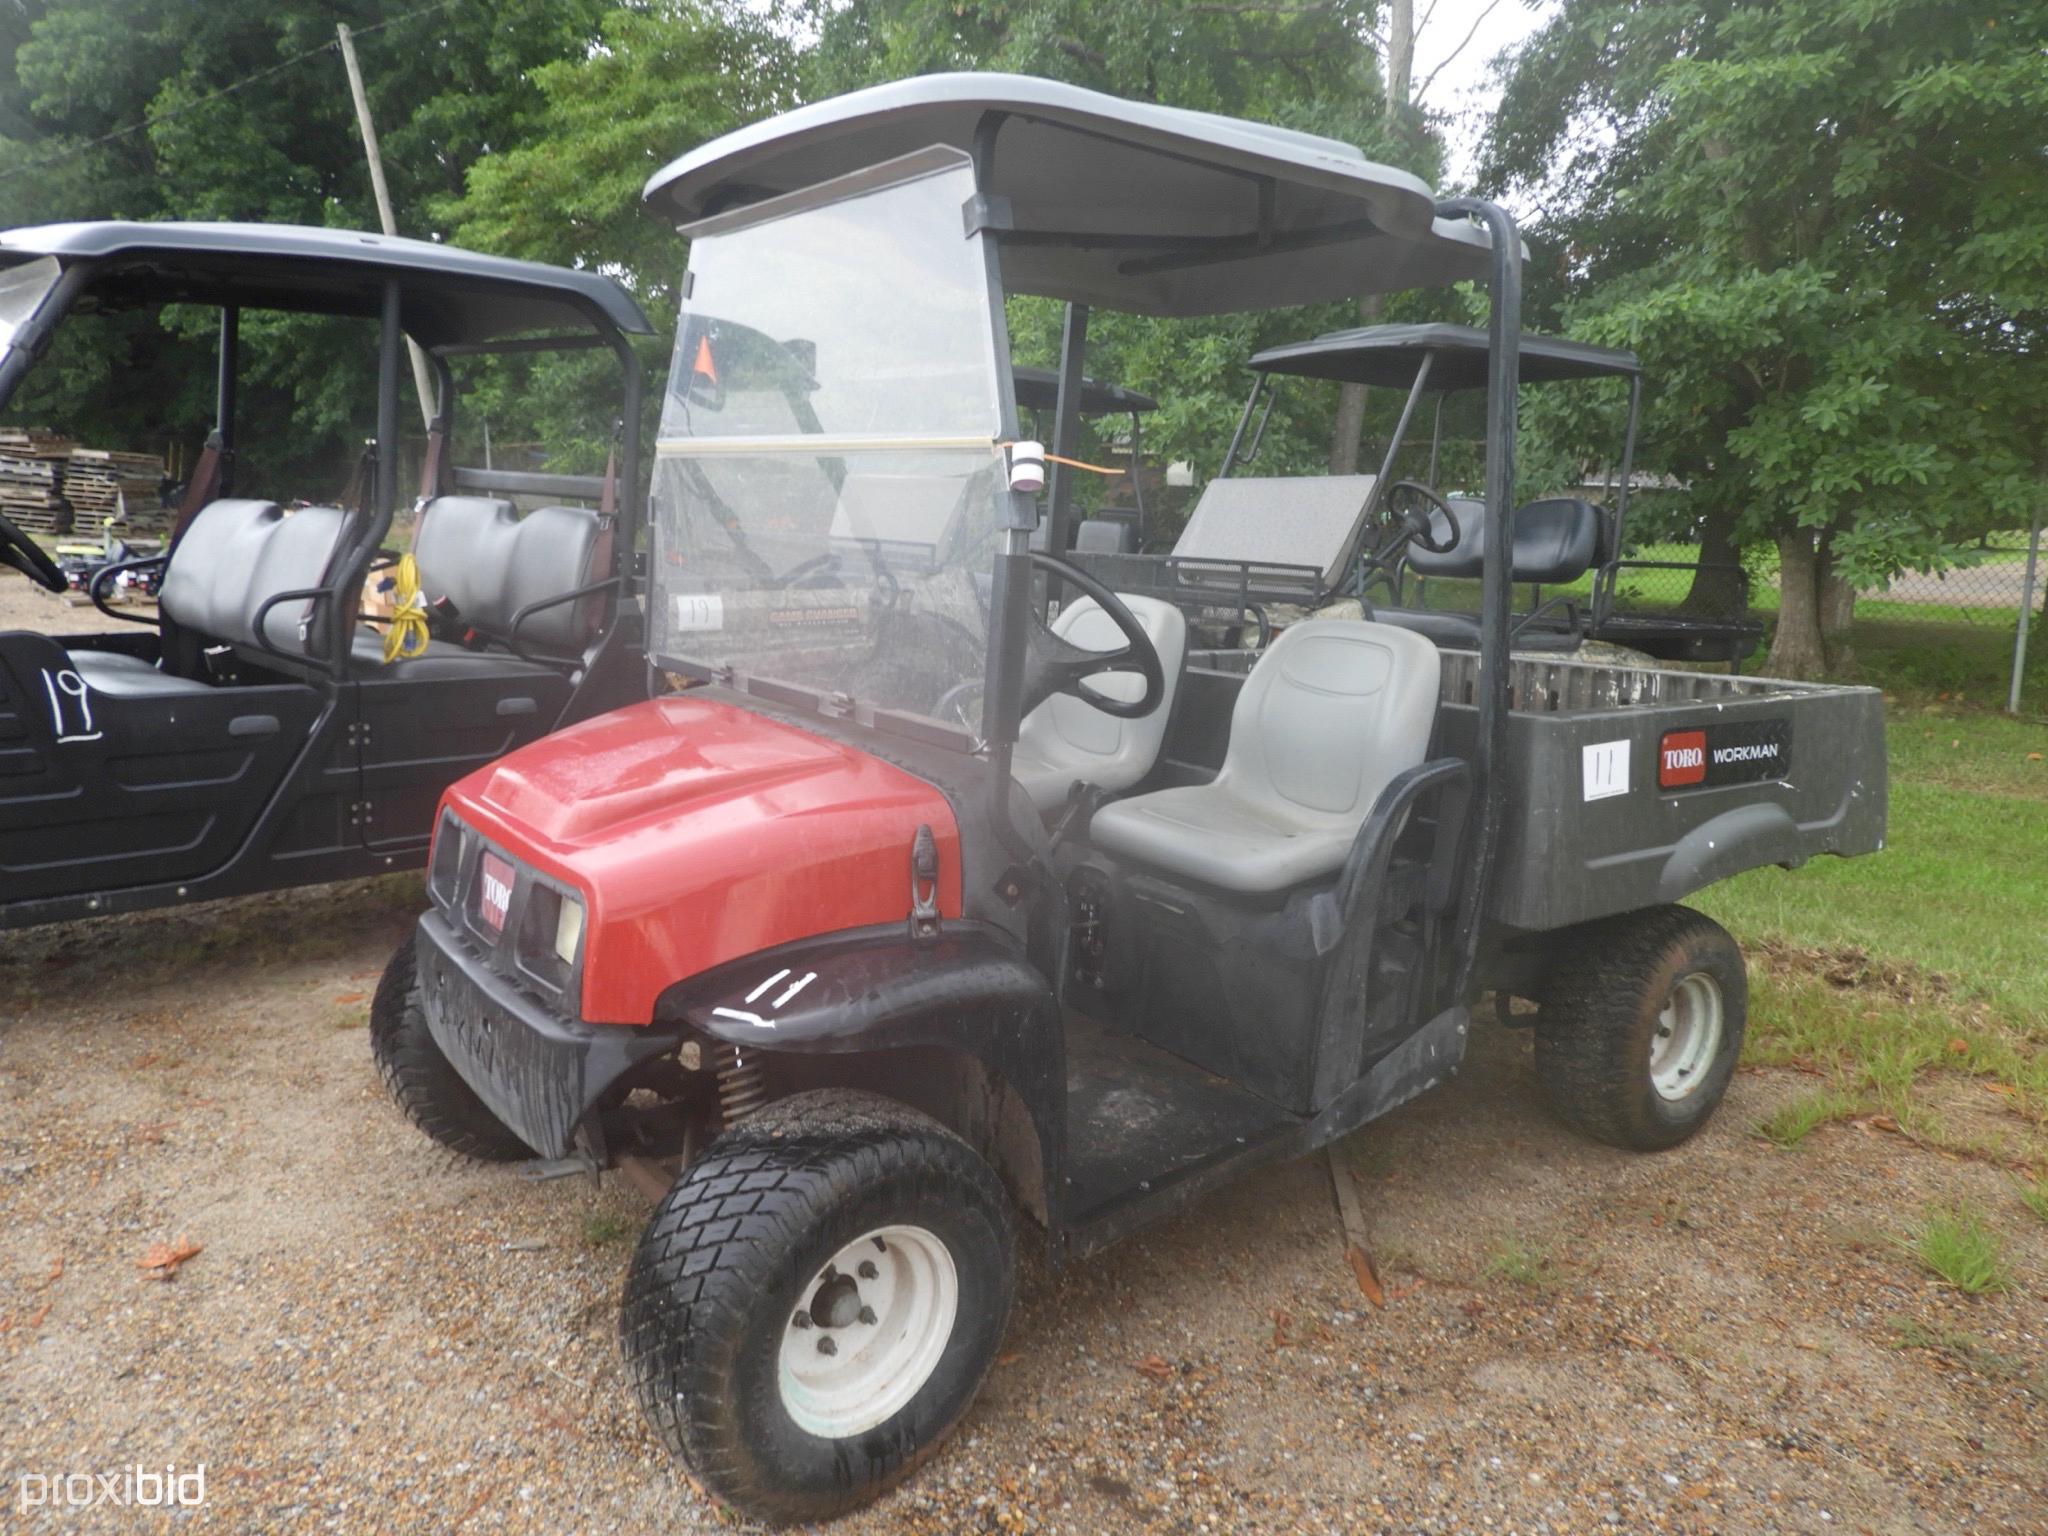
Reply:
x=969, y=989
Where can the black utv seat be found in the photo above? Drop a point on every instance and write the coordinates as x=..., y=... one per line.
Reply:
x=234, y=557
x=1556, y=541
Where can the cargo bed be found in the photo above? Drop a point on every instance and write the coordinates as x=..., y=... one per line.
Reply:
x=1629, y=787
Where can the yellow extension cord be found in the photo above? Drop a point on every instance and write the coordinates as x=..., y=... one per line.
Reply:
x=408, y=633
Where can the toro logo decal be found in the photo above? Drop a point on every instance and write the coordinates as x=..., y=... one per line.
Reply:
x=493, y=891
x=1727, y=752
x=1681, y=758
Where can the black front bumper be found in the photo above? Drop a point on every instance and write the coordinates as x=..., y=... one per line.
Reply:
x=536, y=1071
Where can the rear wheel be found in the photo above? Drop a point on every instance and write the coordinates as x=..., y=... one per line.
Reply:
x=422, y=1080
x=816, y=1302
x=1641, y=1025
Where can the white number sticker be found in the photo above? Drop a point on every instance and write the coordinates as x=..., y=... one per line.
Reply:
x=700, y=610
x=1605, y=765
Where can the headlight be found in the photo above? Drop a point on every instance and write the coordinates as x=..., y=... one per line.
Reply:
x=444, y=873
x=550, y=935
x=568, y=930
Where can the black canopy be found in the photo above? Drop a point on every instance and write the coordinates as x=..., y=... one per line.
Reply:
x=448, y=295
x=1038, y=389
x=1388, y=355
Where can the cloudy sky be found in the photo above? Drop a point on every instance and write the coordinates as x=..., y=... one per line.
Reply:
x=1461, y=87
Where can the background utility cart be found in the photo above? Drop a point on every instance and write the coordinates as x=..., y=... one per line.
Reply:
x=1560, y=538
x=932, y=907
x=253, y=735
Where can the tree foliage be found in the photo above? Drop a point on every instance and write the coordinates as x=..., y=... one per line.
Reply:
x=154, y=109
x=1823, y=225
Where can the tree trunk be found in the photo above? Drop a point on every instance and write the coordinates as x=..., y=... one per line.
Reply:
x=1400, y=62
x=1349, y=428
x=1716, y=590
x=1798, y=648
x=1837, y=611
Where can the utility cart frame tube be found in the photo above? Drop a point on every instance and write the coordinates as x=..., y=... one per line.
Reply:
x=1503, y=373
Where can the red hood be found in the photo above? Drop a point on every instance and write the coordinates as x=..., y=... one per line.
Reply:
x=700, y=832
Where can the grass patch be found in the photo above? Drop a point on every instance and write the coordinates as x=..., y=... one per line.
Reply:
x=1966, y=1350
x=1955, y=1245
x=605, y=1229
x=1520, y=1263
x=1793, y=1122
x=2034, y=1196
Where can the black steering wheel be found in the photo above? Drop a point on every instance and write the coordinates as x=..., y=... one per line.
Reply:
x=1413, y=523
x=1053, y=665
x=26, y=556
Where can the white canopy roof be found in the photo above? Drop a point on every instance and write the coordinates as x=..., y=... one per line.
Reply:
x=1154, y=210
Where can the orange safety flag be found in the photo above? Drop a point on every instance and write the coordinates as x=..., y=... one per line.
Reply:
x=703, y=365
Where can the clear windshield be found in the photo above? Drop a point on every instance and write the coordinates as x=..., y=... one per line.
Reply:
x=22, y=290
x=826, y=484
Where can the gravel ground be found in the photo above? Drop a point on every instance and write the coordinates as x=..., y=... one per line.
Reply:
x=373, y=1337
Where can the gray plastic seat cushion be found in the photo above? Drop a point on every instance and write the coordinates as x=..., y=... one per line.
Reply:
x=440, y=659
x=1310, y=520
x=121, y=676
x=489, y=563
x=1330, y=714
x=237, y=555
x=1066, y=739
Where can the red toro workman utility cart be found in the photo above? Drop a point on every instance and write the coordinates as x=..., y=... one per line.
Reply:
x=964, y=894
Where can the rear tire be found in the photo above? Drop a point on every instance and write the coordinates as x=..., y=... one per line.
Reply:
x=817, y=1301
x=423, y=1081
x=1641, y=1025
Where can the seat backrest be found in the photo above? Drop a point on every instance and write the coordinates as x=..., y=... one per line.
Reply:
x=905, y=519
x=479, y=554
x=235, y=556
x=1103, y=536
x=1311, y=520
x=1073, y=733
x=1332, y=711
x=1557, y=539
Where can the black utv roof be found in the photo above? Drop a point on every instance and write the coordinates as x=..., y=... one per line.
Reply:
x=1038, y=389
x=1097, y=200
x=448, y=295
x=1388, y=355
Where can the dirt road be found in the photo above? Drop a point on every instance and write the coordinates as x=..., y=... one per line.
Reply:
x=374, y=1338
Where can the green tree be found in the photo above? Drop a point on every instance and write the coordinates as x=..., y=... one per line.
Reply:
x=155, y=109
x=1825, y=228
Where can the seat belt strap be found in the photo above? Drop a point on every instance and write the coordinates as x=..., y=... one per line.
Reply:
x=204, y=485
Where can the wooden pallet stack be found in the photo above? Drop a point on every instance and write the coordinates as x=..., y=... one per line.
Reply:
x=99, y=483
x=102, y=484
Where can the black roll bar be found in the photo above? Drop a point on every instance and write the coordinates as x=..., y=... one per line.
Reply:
x=33, y=335
x=1503, y=374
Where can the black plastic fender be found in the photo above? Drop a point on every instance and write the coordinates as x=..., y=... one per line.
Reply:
x=968, y=988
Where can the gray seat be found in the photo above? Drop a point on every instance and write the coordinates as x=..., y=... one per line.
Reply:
x=489, y=563
x=1104, y=536
x=1330, y=714
x=121, y=676
x=1067, y=740
x=234, y=557
x=441, y=659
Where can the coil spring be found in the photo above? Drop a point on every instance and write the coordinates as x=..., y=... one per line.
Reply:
x=742, y=1085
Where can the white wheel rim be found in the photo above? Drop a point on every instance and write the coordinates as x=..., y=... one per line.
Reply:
x=868, y=1331
x=1688, y=1037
